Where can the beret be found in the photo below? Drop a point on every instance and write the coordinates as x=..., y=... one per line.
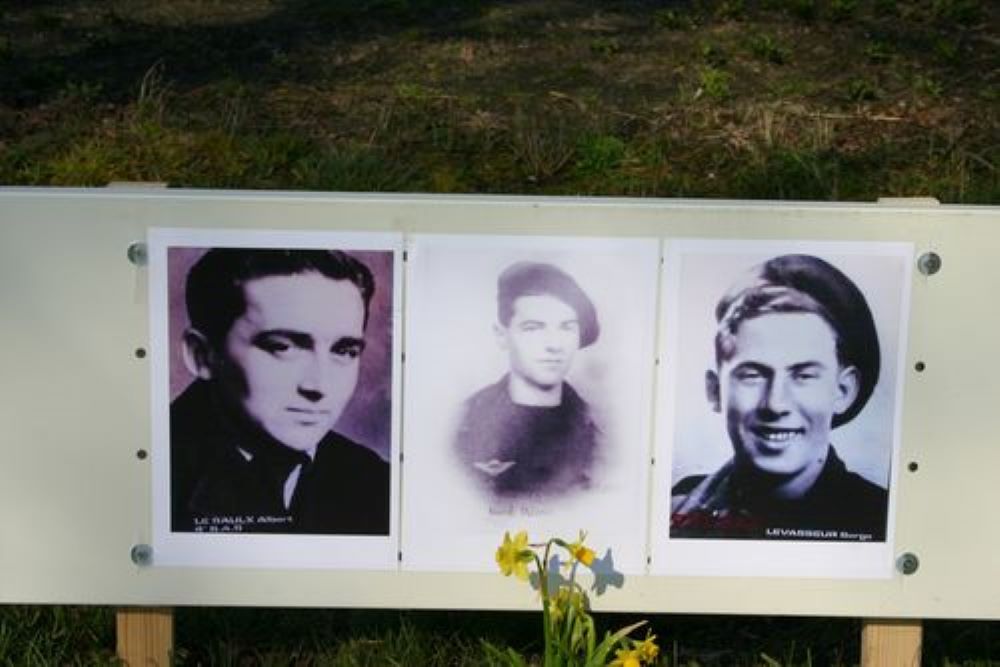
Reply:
x=839, y=301
x=536, y=279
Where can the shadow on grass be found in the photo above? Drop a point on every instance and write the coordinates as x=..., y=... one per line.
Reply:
x=355, y=637
x=82, y=42
x=48, y=46
x=76, y=42
x=706, y=641
x=561, y=97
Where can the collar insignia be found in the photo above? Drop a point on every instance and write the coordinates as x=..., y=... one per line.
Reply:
x=493, y=467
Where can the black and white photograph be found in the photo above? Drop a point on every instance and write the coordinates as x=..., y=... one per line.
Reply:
x=280, y=380
x=783, y=388
x=530, y=434
x=528, y=389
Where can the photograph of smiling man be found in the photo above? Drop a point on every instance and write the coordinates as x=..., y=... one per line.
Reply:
x=279, y=419
x=797, y=356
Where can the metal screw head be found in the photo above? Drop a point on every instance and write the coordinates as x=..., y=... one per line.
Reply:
x=908, y=563
x=929, y=263
x=142, y=555
x=137, y=253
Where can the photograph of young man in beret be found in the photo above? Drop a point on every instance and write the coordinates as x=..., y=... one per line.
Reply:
x=797, y=356
x=528, y=399
x=530, y=434
x=274, y=344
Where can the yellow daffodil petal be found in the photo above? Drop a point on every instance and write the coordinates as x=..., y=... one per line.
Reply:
x=513, y=555
x=580, y=552
x=585, y=555
x=626, y=658
x=648, y=649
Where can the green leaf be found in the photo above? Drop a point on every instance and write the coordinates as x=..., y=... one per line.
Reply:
x=769, y=661
x=609, y=642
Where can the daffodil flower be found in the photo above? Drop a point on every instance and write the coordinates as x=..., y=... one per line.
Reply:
x=569, y=630
x=513, y=556
x=564, y=600
x=558, y=606
x=585, y=555
x=648, y=650
x=625, y=657
x=581, y=552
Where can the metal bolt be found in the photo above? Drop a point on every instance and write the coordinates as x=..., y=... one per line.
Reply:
x=908, y=563
x=142, y=555
x=929, y=263
x=137, y=253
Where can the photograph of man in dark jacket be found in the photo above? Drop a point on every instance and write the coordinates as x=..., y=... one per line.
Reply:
x=797, y=356
x=274, y=344
x=530, y=434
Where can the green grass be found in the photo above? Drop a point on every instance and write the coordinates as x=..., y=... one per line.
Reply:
x=43, y=636
x=355, y=638
x=558, y=97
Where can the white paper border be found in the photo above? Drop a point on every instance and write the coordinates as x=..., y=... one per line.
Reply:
x=433, y=537
x=359, y=552
x=759, y=558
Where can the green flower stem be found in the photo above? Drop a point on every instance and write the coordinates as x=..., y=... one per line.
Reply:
x=543, y=585
x=569, y=631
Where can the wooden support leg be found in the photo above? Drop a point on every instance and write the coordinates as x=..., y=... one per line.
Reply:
x=891, y=642
x=145, y=636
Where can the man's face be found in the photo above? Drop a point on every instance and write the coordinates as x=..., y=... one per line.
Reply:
x=290, y=362
x=780, y=390
x=541, y=338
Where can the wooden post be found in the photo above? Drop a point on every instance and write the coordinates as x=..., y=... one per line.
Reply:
x=145, y=636
x=891, y=642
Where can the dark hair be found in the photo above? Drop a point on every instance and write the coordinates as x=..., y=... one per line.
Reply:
x=806, y=284
x=537, y=279
x=214, y=288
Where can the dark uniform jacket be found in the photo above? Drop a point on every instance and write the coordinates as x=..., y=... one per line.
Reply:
x=517, y=451
x=841, y=505
x=343, y=490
